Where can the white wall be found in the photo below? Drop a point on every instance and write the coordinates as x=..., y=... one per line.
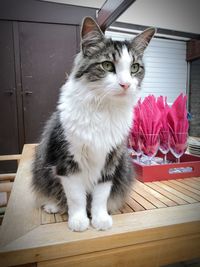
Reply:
x=88, y=3
x=180, y=15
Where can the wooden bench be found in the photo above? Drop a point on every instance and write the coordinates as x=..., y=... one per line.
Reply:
x=158, y=225
x=6, y=183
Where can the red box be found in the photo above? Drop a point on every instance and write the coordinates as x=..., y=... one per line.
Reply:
x=165, y=171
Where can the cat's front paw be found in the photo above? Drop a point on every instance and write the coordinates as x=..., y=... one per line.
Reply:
x=78, y=222
x=102, y=222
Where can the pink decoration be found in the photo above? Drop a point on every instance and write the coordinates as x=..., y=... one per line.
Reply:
x=177, y=116
x=155, y=123
x=178, y=126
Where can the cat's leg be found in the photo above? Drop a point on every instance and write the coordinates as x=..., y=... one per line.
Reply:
x=101, y=220
x=76, y=202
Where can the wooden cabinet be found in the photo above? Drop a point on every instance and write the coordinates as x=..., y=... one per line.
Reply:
x=47, y=52
x=8, y=101
x=8, y=107
x=36, y=54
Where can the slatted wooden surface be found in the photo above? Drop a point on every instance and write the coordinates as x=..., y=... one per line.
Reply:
x=157, y=220
x=148, y=196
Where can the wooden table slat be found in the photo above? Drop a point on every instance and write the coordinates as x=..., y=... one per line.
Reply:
x=175, y=192
x=196, y=178
x=186, y=186
x=166, y=193
x=141, y=200
x=192, y=183
x=58, y=217
x=141, y=189
x=64, y=217
x=47, y=217
x=183, y=190
x=134, y=204
x=126, y=208
x=168, y=202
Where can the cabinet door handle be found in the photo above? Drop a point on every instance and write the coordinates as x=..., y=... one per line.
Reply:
x=9, y=91
x=28, y=93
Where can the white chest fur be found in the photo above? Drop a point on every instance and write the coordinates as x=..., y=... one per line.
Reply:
x=92, y=130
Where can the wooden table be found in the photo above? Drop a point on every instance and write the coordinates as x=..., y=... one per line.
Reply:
x=159, y=224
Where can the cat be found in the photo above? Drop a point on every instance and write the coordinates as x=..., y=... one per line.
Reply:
x=82, y=162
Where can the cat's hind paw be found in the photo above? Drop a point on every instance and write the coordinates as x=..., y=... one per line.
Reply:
x=51, y=208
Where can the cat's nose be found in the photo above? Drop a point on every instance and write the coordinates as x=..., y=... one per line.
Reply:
x=125, y=86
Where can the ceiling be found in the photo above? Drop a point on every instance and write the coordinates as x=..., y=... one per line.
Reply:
x=179, y=15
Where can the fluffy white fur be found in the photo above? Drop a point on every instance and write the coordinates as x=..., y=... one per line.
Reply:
x=101, y=220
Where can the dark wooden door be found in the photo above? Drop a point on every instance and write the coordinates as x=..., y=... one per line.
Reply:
x=47, y=53
x=8, y=103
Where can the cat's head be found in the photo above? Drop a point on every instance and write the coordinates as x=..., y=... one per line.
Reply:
x=111, y=69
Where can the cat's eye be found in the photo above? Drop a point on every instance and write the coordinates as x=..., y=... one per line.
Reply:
x=108, y=66
x=135, y=67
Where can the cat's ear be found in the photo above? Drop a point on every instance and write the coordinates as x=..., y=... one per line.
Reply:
x=89, y=26
x=141, y=41
x=91, y=35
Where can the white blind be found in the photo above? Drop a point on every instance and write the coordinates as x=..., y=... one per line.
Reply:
x=165, y=64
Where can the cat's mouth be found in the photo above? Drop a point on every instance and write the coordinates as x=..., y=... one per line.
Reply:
x=122, y=93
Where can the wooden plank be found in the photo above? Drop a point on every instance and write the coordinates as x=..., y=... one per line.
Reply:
x=196, y=178
x=126, y=208
x=134, y=204
x=52, y=241
x=7, y=176
x=47, y=217
x=116, y=212
x=110, y=11
x=168, y=202
x=64, y=217
x=6, y=187
x=141, y=189
x=175, y=192
x=166, y=193
x=141, y=200
x=183, y=190
x=21, y=215
x=58, y=217
x=152, y=254
x=192, y=182
x=3, y=199
x=180, y=183
x=10, y=157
